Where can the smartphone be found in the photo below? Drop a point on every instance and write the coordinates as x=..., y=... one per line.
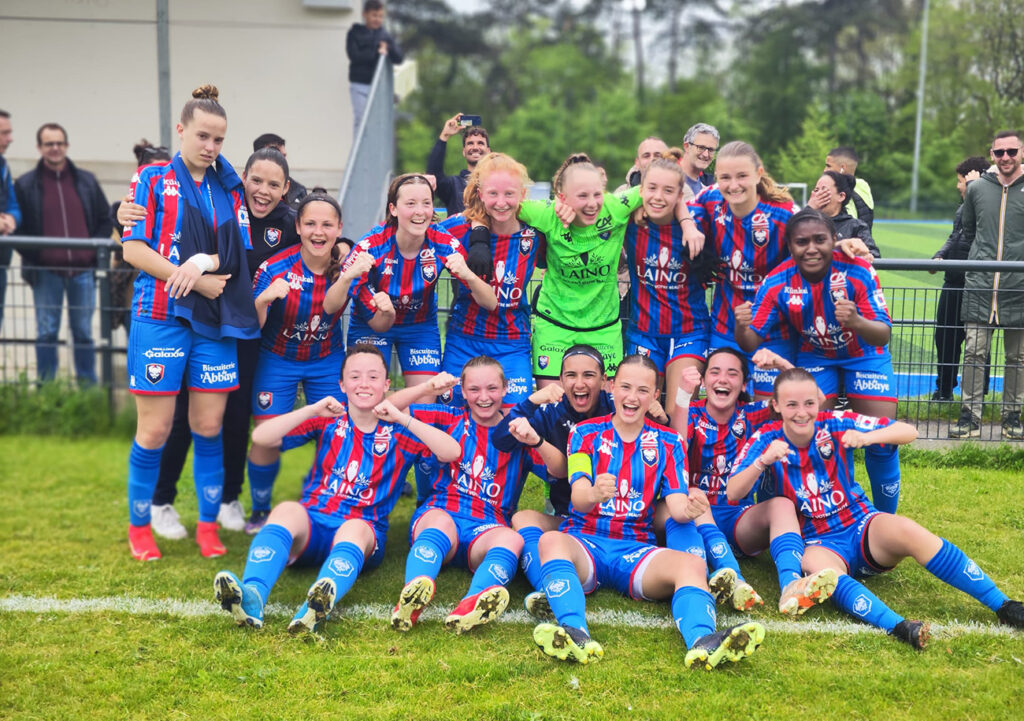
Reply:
x=466, y=120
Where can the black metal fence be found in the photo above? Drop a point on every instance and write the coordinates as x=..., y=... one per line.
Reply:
x=911, y=287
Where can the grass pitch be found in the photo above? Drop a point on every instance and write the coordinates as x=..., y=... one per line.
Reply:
x=85, y=632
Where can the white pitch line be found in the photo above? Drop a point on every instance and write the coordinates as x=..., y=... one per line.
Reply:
x=382, y=612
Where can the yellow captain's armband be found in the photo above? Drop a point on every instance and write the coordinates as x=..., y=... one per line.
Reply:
x=580, y=465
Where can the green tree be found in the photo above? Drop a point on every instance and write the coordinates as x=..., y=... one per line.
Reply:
x=802, y=158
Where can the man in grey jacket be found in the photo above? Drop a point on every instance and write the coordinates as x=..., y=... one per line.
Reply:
x=993, y=223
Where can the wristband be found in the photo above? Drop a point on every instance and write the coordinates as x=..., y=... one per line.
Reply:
x=687, y=218
x=538, y=444
x=202, y=261
x=683, y=397
x=409, y=422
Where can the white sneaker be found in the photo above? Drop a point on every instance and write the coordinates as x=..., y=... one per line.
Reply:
x=231, y=516
x=166, y=523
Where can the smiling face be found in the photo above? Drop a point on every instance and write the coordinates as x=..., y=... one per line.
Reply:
x=364, y=379
x=699, y=153
x=318, y=227
x=413, y=209
x=796, y=401
x=501, y=192
x=635, y=387
x=811, y=244
x=265, y=185
x=474, y=148
x=483, y=387
x=1008, y=165
x=582, y=380
x=723, y=382
x=648, y=151
x=583, y=191
x=202, y=139
x=660, y=192
x=737, y=178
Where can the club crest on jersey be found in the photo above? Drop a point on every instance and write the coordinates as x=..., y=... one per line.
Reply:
x=154, y=372
x=823, y=440
x=447, y=396
x=381, y=441
x=739, y=426
x=428, y=265
x=649, y=447
x=837, y=286
x=272, y=236
x=646, y=352
x=542, y=362
x=264, y=399
x=759, y=224
x=526, y=241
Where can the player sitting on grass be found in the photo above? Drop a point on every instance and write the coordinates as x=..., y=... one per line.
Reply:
x=811, y=454
x=365, y=448
x=619, y=466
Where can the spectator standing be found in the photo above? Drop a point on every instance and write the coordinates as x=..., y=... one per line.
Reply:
x=58, y=199
x=366, y=41
x=10, y=213
x=475, y=145
x=949, y=326
x=844, y=159
x=993, y=225
x=650, y=148
x=699, y=147
x=830, y=196
x=296, y=190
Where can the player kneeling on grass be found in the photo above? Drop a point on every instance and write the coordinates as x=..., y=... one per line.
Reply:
x=619, y=466
x=365, y=448
x=465, y=519
x=811, y=454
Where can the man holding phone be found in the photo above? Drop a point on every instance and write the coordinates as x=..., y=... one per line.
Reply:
x=475, y=145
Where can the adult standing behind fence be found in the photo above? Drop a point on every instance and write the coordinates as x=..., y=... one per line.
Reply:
x=993, y=221
x=949, y=327
x=475, y=145
x=60, y=200
x=10, y=213
x=366, y=42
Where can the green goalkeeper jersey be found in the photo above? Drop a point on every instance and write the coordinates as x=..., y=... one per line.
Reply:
x=579, y=289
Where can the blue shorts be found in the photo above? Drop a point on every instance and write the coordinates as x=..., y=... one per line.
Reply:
x=160, y=353
x=665, y=349
x=419, y=345
x=277, y=382
x=618, y=563
x=514, y=358
x=467, y=529
x=726, y=517
x=321, y=539
x=850, y=544
x=868, y=377
x=761, y=381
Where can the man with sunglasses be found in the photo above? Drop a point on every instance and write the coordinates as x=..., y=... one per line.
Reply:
x=993, y=225
x=699, y=147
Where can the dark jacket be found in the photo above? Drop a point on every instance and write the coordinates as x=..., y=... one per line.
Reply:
x=361, y=45
x=849, y=227
x=956, y=247
x=450, y=188
x=993, y=223
x=98, y=220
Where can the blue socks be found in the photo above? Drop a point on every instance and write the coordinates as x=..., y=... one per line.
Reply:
x=261, y=484
x=143, y=471
x=719, y=553
x=883, y=467
x=427, y=554
x=208, y=471
x=684, y=537
x=565, y=593
x=953, y=566
x=694, y=612
x=854, y=598
x=343, y=566
x=787, y=551
x=529, y=561
x=268, y=555
x=497, y=569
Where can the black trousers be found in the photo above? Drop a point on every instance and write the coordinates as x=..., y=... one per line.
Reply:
x=949, y=338
x=234, y=435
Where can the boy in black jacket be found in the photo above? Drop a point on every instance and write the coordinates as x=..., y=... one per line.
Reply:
x=366, y=41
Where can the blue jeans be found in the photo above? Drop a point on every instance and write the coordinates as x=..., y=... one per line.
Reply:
x=48, y=293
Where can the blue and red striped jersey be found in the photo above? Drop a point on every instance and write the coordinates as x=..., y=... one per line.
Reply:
x=409, y=281
x=818, y=478
x=297, y=327
x=514, y=260
x=665, y=298
x=355, y=474
x=750, y=247
x=648, y=468
x=712, y=447
x=809, y=309
x=156, y=187
x=485, y=483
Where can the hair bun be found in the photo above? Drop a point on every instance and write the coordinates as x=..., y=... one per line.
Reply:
x=206, y=92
